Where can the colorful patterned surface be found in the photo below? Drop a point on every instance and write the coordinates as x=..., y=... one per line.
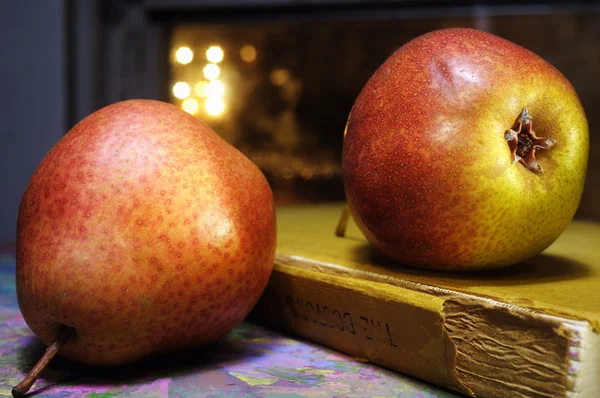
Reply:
x=251, y=361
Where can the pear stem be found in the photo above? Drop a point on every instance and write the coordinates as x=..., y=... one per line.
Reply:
x=65, y=333
x=340, y=230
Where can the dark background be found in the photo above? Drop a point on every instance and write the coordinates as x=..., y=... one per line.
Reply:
x=33, y=96
x=62, y=60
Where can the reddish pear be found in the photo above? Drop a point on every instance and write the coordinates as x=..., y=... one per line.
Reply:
x=464, y=151
x=142, y=232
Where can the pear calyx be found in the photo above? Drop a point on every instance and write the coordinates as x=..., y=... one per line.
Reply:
x=523, y=142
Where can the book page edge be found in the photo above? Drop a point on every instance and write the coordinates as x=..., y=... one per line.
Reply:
x=584, y=343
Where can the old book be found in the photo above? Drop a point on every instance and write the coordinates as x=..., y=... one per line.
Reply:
x=526, y=331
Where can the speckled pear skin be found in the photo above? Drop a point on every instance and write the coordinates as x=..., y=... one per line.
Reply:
x=144, y=231
x=430, y=179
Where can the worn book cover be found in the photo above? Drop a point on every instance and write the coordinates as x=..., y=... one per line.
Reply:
x=530, y=330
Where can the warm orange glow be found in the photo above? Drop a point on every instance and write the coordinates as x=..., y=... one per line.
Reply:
x=200, y=88
x=181, y=90
x=215, y=88
x=280, y=76
x=214, y=106
x=248, y=53
x=184, y=55
x=212, y=71
x=190, y=105
x=214, y=54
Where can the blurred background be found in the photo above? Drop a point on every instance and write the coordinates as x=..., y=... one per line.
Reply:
x=275, y=78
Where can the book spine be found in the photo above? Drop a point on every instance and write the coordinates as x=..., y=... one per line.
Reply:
x=467, y=344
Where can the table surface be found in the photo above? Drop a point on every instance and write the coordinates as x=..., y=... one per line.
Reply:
x=251, y=361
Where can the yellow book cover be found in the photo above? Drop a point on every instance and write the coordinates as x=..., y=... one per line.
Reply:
x=530, y=330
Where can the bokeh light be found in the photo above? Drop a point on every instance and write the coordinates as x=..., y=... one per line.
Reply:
x=184, y=55
x=215, y=88
x=181, y=90
x=200, y=88
x=212, y=71
x=190, y=105
x=214, y=106
x=214, y=54
x=248, y=53
x=280, y=76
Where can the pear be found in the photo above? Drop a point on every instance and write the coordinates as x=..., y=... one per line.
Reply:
x=141, y=232
x=464, y=151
